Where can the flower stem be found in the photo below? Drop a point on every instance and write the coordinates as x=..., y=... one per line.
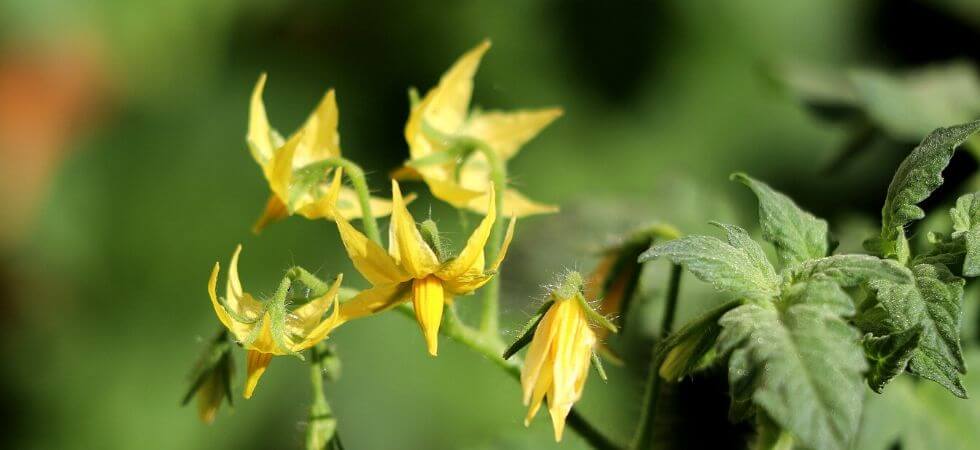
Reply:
x=358, y=181
x=490, y=316
x=643, y=437
x=322, y=424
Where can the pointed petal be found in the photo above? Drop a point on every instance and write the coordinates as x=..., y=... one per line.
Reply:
x=306, y=317
x=257, y=362
x=237, y=300
x=326, y=204
x=279, y=171
x=321, y=330
x=506, y=132
x=515, y=205
x=349, y=205
x=451, y=98
x=275, y=210
x=218, y=309
x=409, y=249
x=451, y=192
x=474, y=246
x=368, y=257
x=320, y=137
x=508, y=237
x=539, y=351
x=371, y=301
x=406, y=173
x=259, y=137
x=428, y=299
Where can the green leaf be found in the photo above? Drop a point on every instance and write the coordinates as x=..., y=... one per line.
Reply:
x=801, y=364
x=738, y=267
x=796, y=234
x=889, y=355
x=966, y=226
x=917, y=176
x=850, y=270
x=935, y=301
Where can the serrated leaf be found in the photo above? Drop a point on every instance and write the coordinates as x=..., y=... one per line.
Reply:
x=889, y=355
x=851, y=270
x=738, y=267
x=796, y=234
x=966, y=226
x=801, y=364
x=934, y=301
x=917, y=176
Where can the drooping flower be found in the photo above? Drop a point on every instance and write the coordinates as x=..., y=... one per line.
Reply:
x=269, y=328
x=291, y=165
x=560, y=354
x=443, y=115
x=412, y=268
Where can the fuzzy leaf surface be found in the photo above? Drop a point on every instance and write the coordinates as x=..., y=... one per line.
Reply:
x=796, y=234
x=738, y=267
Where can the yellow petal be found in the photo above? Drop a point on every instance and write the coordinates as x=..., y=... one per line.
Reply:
x=320, y=137
x=325, y=205
x=451, y=192
x=321, y=330
x=406, y=173
x=240, y=302
x=371, y=301
x=539, y=350
x=279, y=172
x=515, y=205
x=303, y=319
x=428, y=299
x=275, y=210
x=506, y=132
x=508, y=237
x=218, y=309
x=368, y=257
x=474, y=246
x=209, y=397
x=349, y=205
x=259, y=137
x=264, y=342
x=408, y=248
x=257, y=362
x=451, y=98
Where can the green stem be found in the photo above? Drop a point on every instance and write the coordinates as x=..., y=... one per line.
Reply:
x=493, y=349
x=490, y=317
x=643, y=437
x=359, y=182
x=322, y=424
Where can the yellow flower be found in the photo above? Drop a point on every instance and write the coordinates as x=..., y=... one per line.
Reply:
x=558, y=361
x=445, y=109
x=293, y=189
x=267, y=329
x=411, y=269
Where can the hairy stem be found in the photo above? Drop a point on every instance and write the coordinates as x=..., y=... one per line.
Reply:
x=490, y=316
x=322, y=424
x=643, y=437
x=358, y=181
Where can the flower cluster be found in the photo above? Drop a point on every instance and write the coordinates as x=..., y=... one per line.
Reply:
x=461, y=155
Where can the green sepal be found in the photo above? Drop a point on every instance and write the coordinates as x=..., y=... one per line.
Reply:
x=330, y=362
x=889, y=355
x=681, y=352
x=594, y=316
x=597, y=363
x=527, y=332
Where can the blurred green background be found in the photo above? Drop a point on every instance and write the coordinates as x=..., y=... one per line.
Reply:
x=126, y=176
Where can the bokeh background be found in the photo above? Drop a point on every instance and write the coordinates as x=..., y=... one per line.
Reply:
x=124, y=175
